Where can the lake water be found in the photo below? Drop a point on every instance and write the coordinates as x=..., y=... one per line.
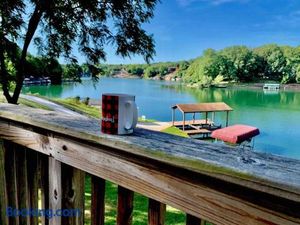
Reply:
x=277, y=115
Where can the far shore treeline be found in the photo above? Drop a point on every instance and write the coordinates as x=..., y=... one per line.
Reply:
x=233, y=64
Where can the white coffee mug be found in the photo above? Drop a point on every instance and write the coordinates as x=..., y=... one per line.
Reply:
x=119, y=113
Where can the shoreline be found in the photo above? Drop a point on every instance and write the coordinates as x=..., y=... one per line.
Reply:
x=171, y=77
x=283, y=87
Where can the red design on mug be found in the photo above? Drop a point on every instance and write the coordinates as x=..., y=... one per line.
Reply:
x=110, y=108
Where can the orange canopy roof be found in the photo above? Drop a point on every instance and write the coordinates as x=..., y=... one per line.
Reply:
x=203, y=107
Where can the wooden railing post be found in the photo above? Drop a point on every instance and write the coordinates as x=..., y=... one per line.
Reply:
x=192, y=220
x=156, y=212
x=32, y=161
x=73, y=195
x=22, y=183
x=125, y=206
x=43, y=168
x=55, y=191
x=98, y=201
x=11, y=180
x=3, y=192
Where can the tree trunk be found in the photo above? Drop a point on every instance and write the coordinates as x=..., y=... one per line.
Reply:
x=4, y=79
x=32, y=26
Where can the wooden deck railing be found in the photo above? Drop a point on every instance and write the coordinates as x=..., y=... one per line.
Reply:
x=44, y=157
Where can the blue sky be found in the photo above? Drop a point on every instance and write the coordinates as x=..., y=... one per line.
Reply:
x=182, y=29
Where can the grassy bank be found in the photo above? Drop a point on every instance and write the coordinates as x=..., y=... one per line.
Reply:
x=78, y=106
x=23, y=101
x=175, y=131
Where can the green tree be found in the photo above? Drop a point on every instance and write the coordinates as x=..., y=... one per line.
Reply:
x=181, y=68
x=205, y=69
x=62, y=23
x=135, y=69
x=274, y=61
x=43, y=66
x=72, y=72
x=197, y=72
x=53, y=70
x=246, y=64
x=150, y=71
x=292, y=68
x=34, y=66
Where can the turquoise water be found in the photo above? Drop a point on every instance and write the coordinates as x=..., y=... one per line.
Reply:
x=276, y=115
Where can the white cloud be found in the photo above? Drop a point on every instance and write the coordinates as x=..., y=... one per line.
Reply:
x=213, y=2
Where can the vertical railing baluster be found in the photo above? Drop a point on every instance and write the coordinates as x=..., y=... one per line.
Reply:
x=98, y=201
x=55, y=189
x=22, y=183
x=73, y=181
x=192, y=220
x=11, y=180
x=3, y=192
x=32, y=164
x=125, y=206
x=43, y=169
x=156, y=212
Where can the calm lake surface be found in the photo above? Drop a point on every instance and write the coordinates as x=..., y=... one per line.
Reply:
x=277, y=115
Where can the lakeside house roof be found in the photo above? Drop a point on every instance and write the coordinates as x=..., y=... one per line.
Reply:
x=203, y=107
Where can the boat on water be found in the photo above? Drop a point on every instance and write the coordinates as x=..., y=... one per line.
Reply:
x=37, y=81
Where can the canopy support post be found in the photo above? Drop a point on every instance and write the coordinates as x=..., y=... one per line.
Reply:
x=227, y=117
x=173, y=116
x=213, y=118
x=183, y=121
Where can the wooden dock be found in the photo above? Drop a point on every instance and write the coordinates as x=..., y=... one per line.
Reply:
x=197, y=128
x=202, y=127
x=192, y=122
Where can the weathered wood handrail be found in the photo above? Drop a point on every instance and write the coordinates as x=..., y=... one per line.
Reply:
x=207, y=181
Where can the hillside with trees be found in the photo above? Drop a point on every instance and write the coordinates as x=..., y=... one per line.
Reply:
x=242, y=64
x=236, y=64
x=148, y=71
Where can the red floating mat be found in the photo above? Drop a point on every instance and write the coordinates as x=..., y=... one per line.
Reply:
x=235, y=134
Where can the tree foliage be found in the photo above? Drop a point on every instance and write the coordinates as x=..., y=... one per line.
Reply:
x=232, y=64
x=242, y=64
x=73, y=72
x=55, y=26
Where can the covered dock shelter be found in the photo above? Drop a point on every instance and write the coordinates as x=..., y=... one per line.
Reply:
x=203, y=126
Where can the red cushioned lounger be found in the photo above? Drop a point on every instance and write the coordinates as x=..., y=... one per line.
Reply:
x=235, y=134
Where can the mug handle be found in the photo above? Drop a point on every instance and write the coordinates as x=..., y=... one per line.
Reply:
x=133, y=111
